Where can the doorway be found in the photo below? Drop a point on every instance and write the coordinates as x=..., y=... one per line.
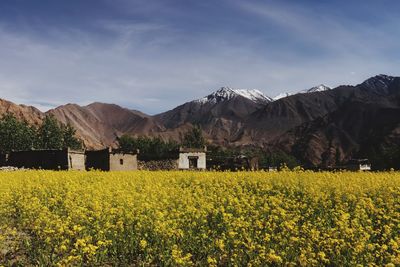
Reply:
x=193, y=162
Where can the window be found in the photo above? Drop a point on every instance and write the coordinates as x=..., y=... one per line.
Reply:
x=121, y=161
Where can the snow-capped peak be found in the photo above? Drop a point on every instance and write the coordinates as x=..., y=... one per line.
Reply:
x=319, y=88
x=281, y=95
x=253, y=94
x=226, y=93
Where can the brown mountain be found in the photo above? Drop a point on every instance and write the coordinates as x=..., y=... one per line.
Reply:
x=98, y=124
x=320, y=127
x=22, y=112
x=222, y=114
x=286, y=113
x=366, y=122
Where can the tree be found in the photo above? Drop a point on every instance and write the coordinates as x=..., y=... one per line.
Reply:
x=127, y=143
x=16, y=135
x=194, y=138
x=149, y=148
x=278, y=158
x=19, y=135
x=50, y=134
x=54, y=135
x=69, y=138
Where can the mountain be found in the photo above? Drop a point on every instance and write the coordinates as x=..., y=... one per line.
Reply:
x=227, y=93
x=281, y=95
x=225, y=103
x=28, y=113
x=221, y=114
x=365, y=122
x=320, y=126
x=99, y=124
x=279, y=116
x=380, y=85
x=318, y=88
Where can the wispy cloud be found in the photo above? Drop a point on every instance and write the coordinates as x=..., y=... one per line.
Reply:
x=157, y=62
x=330, y=32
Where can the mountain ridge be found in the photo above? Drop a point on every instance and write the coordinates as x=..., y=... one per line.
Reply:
x=312, y=124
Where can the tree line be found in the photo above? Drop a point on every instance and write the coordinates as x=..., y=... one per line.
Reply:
x=231, y=157
x=18, y=135
x=155, y=148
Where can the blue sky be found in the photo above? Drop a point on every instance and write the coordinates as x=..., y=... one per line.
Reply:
x=152, y=55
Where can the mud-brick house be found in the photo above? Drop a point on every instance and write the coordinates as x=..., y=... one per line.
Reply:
x=192, y=158
x=51, y=159
x=111, y=160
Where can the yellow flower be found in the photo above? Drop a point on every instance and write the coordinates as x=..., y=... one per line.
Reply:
x=143, y=244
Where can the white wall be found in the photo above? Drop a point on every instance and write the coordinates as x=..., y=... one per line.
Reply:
x=129, y=162
x=183, y=162
x=76, y=161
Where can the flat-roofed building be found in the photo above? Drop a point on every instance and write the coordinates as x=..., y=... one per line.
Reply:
x=111, y=160
x=192, y=158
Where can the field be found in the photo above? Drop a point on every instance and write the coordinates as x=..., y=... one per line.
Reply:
x=199, y=218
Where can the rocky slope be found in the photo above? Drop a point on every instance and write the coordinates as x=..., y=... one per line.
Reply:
x=366, y=120
x=222, y=114
x=22, y=112
x=99, y=124
x=321, y=126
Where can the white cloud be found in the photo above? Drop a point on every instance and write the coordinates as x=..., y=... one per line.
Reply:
x=153, y=67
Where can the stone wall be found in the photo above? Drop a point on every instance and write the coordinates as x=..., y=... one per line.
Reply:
x=154, y=165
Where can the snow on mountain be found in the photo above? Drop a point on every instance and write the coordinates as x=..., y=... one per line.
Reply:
x=281, y=95
x=253, y=94
x=226, y=93
x=319, y=88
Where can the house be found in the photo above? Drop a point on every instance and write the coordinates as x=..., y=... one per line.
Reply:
x=358, y=165
x=192, y=158
x=111, y=160
x=47, y=159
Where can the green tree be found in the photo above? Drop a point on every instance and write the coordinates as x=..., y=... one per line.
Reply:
x=69, y=138
x=277, y=159
x=194, y=138
x=16, y=135
x=54, y=135
x=51, y=135
x=127, y=143
x=149, y=148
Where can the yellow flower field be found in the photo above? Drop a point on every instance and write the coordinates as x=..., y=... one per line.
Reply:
x=199, y=218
